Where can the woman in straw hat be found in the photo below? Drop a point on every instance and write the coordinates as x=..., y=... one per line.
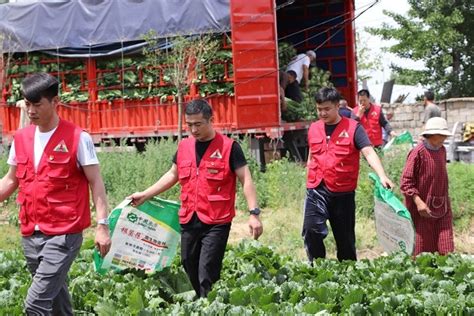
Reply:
x=424, y=184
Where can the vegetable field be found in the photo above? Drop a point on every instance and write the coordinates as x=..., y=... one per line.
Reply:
x=257, y=281
x=270, y=277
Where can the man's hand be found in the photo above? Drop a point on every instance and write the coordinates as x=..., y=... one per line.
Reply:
x=255, y=226
x=386, y=182
x=102, y=239
x=361, y=110
x=138, y=198
x=393, y=134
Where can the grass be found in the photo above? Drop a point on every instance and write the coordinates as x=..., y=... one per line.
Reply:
x=9, y=237
x=461, y=191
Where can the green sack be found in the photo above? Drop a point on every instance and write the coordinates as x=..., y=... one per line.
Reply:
x=395, y=230
x=144, y=237
x=403, y=138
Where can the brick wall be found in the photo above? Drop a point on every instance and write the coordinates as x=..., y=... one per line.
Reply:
x=410, y=116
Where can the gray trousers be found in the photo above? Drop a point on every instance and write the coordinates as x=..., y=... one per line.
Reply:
x=49, y=259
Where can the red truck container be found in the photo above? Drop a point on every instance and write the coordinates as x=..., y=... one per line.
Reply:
x=256, y=28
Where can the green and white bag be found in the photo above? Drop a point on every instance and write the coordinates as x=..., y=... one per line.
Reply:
x=395, y=230
x=144, y=237
x=403, y=138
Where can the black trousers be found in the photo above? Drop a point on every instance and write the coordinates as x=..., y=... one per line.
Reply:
x=202, y=252
x=339, y=208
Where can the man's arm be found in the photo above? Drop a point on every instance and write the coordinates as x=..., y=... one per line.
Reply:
x=306, y=76
x=282, y=100
x=374, y=161
x=385, y=124
x=245, y=178
x=8, y=183
x=354, y=116
x=99, y=197
x=169, y=179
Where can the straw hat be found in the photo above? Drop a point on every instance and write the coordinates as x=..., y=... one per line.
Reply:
x=436, y=126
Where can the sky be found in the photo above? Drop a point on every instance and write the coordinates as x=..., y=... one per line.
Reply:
x=374, y=17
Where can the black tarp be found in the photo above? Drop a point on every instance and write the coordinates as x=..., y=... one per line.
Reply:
x=89, y=26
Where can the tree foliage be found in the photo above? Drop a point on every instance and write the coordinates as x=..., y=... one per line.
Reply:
x=180, y=64
x=406, y=76
x=367, y=59
x=440, y=33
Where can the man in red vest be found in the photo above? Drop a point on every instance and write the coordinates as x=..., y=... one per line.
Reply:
x=372, y=119
x=333, y=169
x=53, y=162
x=206, y=166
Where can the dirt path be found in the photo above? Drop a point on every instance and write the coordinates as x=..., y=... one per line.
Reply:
x=464, y=242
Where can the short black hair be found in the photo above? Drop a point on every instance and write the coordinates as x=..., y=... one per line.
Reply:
x=292, y=73
x=199, y=106
x=364, y=92
x=39, y=85
x=429, y=95
x=327, y=94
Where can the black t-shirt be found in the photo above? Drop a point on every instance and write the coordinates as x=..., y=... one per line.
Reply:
x=361, y=139
x=237, y=157
x=293, y=92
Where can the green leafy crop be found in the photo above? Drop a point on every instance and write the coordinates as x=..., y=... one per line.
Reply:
x=257, y=281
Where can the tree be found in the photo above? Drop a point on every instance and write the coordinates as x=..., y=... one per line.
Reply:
x=181, y=64
x=439, y=33
x=367, y=60
x=405, y=76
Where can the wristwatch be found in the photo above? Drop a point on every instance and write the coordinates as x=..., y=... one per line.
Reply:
x=103, y=221
x=255, y=211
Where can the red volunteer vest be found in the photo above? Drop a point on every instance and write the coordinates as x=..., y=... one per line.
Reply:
x=371, y=124
x=208, y=190
x=337, y=161
x=56, y=196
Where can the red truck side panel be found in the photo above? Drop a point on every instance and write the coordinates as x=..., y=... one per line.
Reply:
x=350, y=92
x=255, y=60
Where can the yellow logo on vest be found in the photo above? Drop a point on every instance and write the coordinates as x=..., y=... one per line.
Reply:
x=61, y=147
x=344, y=134
x=374, y=113
x=217, y=154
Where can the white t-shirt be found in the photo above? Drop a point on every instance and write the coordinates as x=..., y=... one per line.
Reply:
x=86, y=154
x=296, y=64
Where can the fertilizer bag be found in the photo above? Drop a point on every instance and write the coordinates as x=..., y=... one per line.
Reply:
x=395, y=231
x=144, y=237
x=403, y=138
